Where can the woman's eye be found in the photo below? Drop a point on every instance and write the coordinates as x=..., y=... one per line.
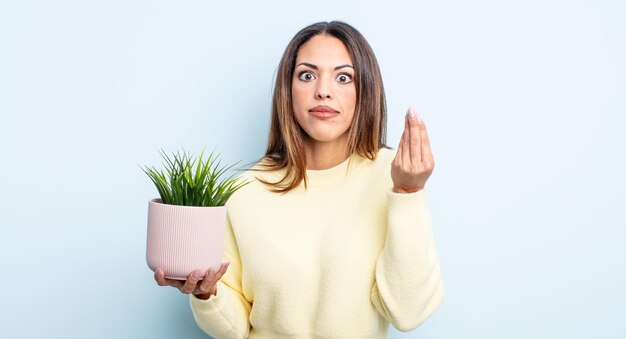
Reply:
x=344, y=78
x=306, y=76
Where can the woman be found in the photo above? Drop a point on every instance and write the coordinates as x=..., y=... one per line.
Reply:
x=333, y=236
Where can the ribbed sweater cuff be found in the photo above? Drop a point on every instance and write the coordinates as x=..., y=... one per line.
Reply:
x=216, y=305
x=419, y=199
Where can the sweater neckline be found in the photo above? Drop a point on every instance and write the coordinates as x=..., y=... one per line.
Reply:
x=332, y=175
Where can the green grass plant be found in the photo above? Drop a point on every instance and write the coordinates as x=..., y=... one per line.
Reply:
x=194, y=181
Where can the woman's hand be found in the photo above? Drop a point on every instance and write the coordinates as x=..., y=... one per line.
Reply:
x=202, y=289
x=414, y=162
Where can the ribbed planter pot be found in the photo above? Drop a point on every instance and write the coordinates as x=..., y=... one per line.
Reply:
x=183, y=238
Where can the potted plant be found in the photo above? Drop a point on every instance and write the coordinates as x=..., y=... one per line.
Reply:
x=186, y=225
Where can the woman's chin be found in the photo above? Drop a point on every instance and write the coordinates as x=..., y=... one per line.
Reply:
x=327, y=138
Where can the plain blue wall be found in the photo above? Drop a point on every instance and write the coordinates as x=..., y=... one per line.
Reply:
x=525, y=102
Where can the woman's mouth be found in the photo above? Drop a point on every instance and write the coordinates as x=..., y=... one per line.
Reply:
x=323, y=112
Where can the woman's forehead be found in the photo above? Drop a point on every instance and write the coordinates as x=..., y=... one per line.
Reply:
x=323, y=51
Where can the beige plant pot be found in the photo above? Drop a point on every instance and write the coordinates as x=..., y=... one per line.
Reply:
x=183, y=238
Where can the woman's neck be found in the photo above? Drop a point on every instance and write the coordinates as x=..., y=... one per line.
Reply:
x=324, y=155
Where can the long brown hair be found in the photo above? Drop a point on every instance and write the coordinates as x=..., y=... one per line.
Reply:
x=367, y=134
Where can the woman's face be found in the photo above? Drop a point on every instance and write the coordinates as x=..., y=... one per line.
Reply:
x=323, y=91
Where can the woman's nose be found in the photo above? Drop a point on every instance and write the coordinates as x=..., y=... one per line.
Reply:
x=323, y=91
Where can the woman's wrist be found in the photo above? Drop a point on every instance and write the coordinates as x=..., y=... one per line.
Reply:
x=206, y=296
x=203, y=296
x=402, y=190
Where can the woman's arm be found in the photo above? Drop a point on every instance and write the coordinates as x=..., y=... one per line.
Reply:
x=226, y=314
x=408, y=286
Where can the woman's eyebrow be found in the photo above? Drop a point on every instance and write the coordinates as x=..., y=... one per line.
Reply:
x=315, y=67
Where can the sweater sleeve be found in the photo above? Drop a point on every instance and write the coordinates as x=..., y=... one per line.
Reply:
x=408, y=285
x=225, y=315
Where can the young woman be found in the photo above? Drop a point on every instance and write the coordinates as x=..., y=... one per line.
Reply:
x=333, y=237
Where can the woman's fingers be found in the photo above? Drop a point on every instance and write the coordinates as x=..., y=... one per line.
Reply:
x=211, y=278
x=414, y=162
x=404, y=155
x=221, y=271
x=205, y=285
x=208, y=286
x=415, y=138
x=159, y=276
x=192, y=281
x=195, y=283
x=427, y=155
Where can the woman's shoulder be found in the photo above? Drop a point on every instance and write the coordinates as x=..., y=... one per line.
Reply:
x=252, y=174
x=384, y=157
x=385, y=154
x=381, y=163
x=261, y=169
x=375, y=172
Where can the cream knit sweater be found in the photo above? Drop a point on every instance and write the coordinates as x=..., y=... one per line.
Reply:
x=341, y=259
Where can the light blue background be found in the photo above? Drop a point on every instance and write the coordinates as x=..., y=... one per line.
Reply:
x=525, y=102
